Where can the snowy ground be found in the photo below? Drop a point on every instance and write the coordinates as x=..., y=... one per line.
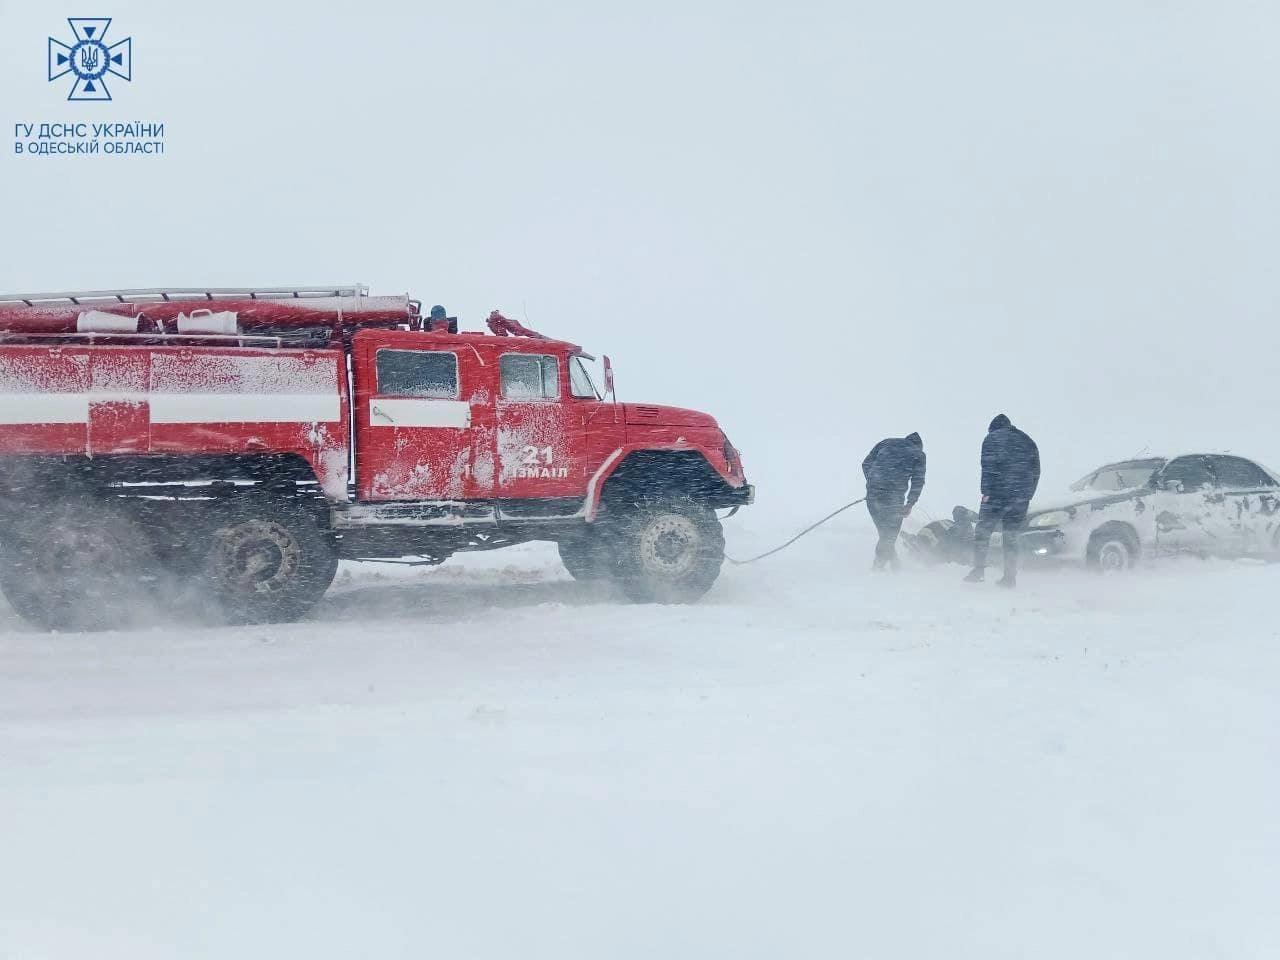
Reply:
x=490, y=760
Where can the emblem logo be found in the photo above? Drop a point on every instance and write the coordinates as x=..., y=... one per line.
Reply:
x=90, y=59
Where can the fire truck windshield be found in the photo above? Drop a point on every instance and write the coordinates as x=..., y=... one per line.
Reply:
x=580, y=383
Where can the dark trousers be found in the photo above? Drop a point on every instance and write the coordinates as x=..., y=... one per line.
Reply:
x=1010, y=515
x=887, y=516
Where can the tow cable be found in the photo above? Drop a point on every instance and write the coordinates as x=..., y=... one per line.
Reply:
x=808, y=529
x=736, y=563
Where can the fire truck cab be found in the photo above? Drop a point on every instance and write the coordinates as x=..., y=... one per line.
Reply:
x=235, y=444
x=457, y=417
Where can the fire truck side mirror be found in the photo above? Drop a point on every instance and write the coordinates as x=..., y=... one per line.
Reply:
x=608, y=378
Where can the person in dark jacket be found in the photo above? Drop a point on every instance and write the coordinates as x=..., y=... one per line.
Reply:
x=1010, y=475
x=439, y=319
x=894, y=469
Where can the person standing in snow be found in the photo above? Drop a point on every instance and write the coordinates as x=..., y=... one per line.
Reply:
x=894, y=469
x=1010, y=475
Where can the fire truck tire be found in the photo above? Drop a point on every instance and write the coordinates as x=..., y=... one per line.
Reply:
x=77, y=567
x=269, y=565
x=669, y=552
x=586, y=557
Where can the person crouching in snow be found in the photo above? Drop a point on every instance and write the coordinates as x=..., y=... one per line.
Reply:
x=894, y=469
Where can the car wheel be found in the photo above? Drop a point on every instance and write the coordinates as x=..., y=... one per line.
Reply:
x=1113, y=549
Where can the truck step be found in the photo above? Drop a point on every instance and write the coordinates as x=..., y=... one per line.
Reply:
x=435, y=513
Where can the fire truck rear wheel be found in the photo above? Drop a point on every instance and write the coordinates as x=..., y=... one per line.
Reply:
x=669, y=552
x=269, y=565
x=77, y=567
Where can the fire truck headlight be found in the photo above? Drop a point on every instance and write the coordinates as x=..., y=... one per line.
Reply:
x=731, y=455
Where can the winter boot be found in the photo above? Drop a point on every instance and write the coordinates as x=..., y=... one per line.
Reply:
x=1010, y=578
x=975, y=575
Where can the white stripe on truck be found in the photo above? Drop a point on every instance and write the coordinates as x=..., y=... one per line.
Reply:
x=36, y=408
x=32, y=408
x=244, y=407
x=416, y=412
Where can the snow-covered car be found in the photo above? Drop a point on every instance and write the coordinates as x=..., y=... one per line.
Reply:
x=1203, y=504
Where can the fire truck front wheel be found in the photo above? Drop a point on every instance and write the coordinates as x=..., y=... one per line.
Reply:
x=77, y=566
x=669, y=552
x=269, y=565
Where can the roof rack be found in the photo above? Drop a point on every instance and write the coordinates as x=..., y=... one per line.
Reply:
x=304, y=338
x=165, y=294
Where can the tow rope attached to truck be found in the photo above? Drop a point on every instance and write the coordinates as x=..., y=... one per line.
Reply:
x=808, y=529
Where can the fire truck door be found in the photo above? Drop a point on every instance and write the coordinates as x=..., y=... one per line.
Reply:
x=541, y=438
x=414, y=429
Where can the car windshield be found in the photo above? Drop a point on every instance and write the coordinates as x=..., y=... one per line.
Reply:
x=1120, y=476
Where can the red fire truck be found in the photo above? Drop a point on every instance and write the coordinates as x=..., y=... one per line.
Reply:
x=234, y=444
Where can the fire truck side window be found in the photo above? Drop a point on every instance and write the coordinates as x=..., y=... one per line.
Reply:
x=417, y=373
x=529, y=377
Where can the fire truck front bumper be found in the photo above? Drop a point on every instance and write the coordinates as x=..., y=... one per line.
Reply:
x=737, y=496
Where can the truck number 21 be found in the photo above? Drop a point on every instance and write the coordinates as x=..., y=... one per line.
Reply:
x=533, y=455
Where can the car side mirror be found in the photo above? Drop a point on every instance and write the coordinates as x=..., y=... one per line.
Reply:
x=609, y=389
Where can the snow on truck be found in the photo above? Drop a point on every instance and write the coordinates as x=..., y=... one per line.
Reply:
x=235, y=444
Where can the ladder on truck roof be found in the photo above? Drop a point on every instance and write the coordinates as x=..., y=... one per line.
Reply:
x=166, y=294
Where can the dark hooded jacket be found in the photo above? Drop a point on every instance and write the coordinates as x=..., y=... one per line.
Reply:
x=1010, y=463
x=892, y=466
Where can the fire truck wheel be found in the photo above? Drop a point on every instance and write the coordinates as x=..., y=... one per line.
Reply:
x=77, y=567
x=269, y=565
x=586, y=557
x=669, y=552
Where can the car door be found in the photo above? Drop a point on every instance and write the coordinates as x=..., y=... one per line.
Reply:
x=540, y=440
x=1190, y=515
x=414, y=435
x=1250, y=501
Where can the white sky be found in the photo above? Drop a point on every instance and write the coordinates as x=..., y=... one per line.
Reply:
x=823, y=223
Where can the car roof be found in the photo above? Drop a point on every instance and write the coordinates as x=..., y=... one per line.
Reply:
x=1187, y=453
x=1166, y=457
x=1211, y=453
